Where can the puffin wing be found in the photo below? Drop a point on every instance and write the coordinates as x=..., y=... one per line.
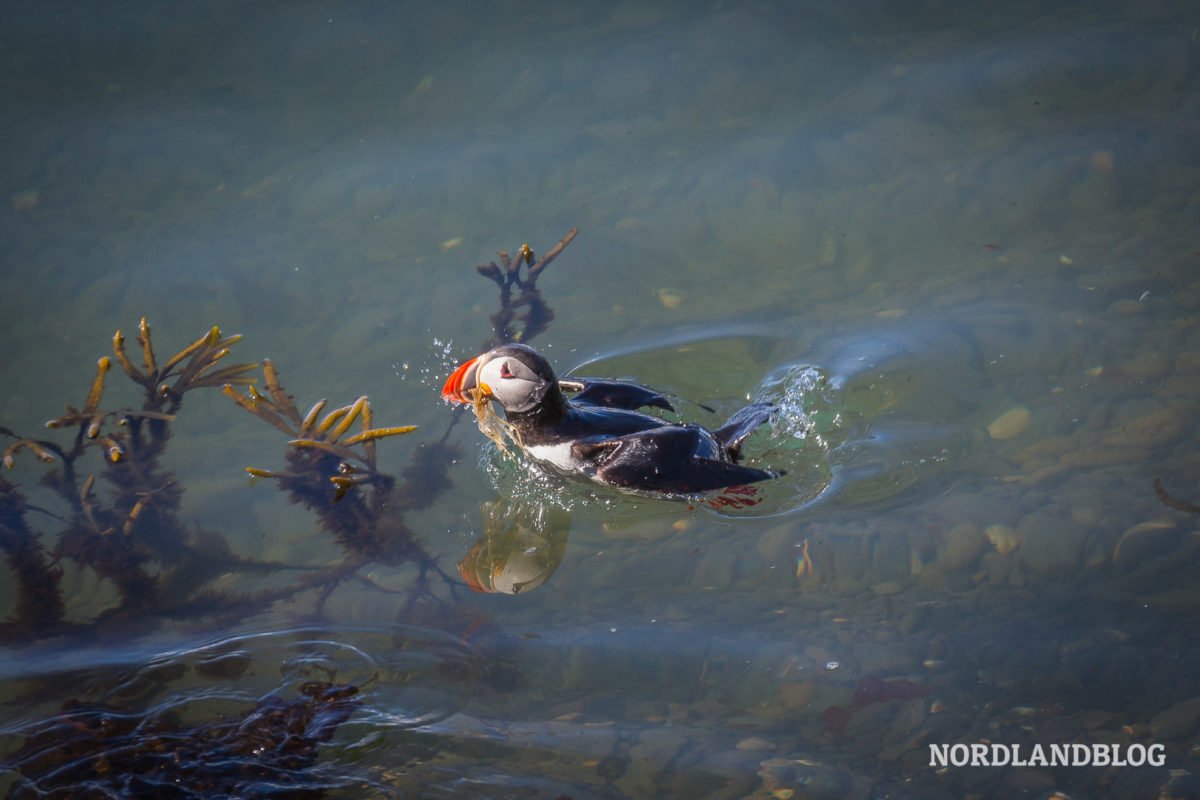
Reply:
x=664, y=460
x=740, y=425
x=614, y=394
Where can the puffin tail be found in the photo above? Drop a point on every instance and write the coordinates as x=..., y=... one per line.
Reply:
x=740, y=425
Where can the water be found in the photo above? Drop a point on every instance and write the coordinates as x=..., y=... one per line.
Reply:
x=957, y=243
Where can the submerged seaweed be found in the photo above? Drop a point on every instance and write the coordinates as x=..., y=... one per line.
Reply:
x=528, y=308
x=333, y=473
x=120, y=518
x=130, y=534
x=115, y=753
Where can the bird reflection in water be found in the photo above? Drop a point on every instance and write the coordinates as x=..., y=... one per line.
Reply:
x=521, y=546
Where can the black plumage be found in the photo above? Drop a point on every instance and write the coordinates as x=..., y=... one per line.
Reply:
x=598, y=433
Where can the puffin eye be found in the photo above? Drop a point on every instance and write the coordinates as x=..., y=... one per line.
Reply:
x=504, y=371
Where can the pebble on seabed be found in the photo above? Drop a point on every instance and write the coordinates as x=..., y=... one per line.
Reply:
x=670, y=298
x=1010, y=424
x=1145, y=541
x=1177, y=721
x=1003, y=538
x=26, y=200
x=754, y=743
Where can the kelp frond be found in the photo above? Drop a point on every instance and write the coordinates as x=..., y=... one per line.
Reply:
x=327, y=437
x=190, y=368
x=536, y=316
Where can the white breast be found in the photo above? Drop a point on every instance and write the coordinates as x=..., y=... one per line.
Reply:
x=556, y=455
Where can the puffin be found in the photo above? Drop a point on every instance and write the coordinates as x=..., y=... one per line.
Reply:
x=599, y=433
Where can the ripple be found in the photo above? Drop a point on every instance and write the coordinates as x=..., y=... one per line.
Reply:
x=257, y=714
x=852, y=422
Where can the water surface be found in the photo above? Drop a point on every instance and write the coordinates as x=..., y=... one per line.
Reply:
x=957, y=243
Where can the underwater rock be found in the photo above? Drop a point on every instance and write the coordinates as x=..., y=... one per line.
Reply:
x=1003, y=538
x=904, y=734
x=670, y=298
x=1188, y=361
x=1048, y=447
x=960, y=547
x=1148, y=363
x=795, y=695
x=1031, y=780
x=1102, y=457
x=1144, y=542
x=1051, y=544
x=1010, y=424
x=755, y=744
x=994, y=568
x=1096, y=193
x=650, y=760
x=890, y=558
x=1127, y=307
x=803, y=779
x=1155, y=429
x=1178, y=721
x=26, y=200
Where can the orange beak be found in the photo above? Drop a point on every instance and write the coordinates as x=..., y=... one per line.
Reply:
x=460, y=382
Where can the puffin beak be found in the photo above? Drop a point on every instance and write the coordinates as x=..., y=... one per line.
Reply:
x=461, y=381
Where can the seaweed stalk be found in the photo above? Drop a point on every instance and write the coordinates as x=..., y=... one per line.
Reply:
x=39, y=595
x=528, y=308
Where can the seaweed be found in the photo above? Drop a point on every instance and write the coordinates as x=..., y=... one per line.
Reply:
x=321, y=453
x=333, y=472
x=116, y=753
x=120, y=518
x=39, y=596
x=132, y=535
x=528, y=308
x=1172, y=502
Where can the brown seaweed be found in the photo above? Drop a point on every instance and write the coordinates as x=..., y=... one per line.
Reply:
x=333, y=474
x=527, y=308
x=332, y=471
x=120, y=519
x=1172, y=502
x=39, y=596
x=109, y=752
x=129, y=534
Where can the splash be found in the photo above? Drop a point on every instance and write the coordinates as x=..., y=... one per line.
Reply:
x=806, y=426
x=792, y=389
x=515, y=476
x=432, y=368
x=796, y=440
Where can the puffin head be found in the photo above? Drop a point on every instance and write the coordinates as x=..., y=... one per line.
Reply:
x=514, y=375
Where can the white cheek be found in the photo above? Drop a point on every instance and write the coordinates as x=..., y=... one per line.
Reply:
x=508, y=394
x=490, y=374
x=515, y=394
